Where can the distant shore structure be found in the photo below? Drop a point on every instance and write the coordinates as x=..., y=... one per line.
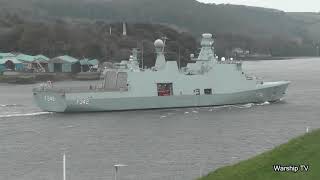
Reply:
x=124, y=27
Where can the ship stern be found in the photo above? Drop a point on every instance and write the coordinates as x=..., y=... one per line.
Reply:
x=49, y=100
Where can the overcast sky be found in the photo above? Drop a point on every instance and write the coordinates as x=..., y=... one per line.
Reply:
x=285, y=5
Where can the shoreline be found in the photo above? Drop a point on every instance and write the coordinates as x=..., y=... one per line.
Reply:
x=301, y=153
x=33, y=78
x=278, y=58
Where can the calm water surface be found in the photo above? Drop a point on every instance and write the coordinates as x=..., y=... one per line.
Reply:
x=174, y=144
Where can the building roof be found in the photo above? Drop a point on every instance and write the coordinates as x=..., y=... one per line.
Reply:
x=25, y=58
x=13, y=59
x=4, y=55
x=65, y=58
x=92, y=62
x=84, y=61
x=42, y=58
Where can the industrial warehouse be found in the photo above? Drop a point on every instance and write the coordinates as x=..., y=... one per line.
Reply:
x=23, y=68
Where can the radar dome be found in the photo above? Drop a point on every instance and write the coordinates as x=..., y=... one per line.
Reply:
x=207, y=35
x=159, y=43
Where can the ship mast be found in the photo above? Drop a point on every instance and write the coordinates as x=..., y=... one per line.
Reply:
x=164, y=39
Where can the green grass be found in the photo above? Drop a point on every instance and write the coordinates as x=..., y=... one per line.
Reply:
x=302, y=150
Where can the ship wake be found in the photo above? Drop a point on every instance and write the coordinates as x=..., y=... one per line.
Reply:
x=241, y=106
x=10, y=105
x=25, y=114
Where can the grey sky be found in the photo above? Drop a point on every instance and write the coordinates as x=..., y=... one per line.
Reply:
x=285, y=5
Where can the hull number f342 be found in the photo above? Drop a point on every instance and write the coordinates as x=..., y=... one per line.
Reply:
x=83, y=101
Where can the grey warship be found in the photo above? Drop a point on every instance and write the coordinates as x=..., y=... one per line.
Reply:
x=205, y=82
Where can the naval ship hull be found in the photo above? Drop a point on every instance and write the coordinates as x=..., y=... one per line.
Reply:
x=54, y=101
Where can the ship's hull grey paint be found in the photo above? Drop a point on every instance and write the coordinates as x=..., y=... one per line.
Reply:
x=92, y=102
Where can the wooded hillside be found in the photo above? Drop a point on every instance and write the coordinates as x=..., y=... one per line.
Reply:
x=91, y=40
x=255, y=29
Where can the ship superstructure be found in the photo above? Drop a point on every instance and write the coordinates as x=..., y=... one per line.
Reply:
x=206, y=82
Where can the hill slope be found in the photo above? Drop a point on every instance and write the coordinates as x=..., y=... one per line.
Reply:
x=189, y=14
x=91, y=40
x=304, y=150
x=255, y=29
